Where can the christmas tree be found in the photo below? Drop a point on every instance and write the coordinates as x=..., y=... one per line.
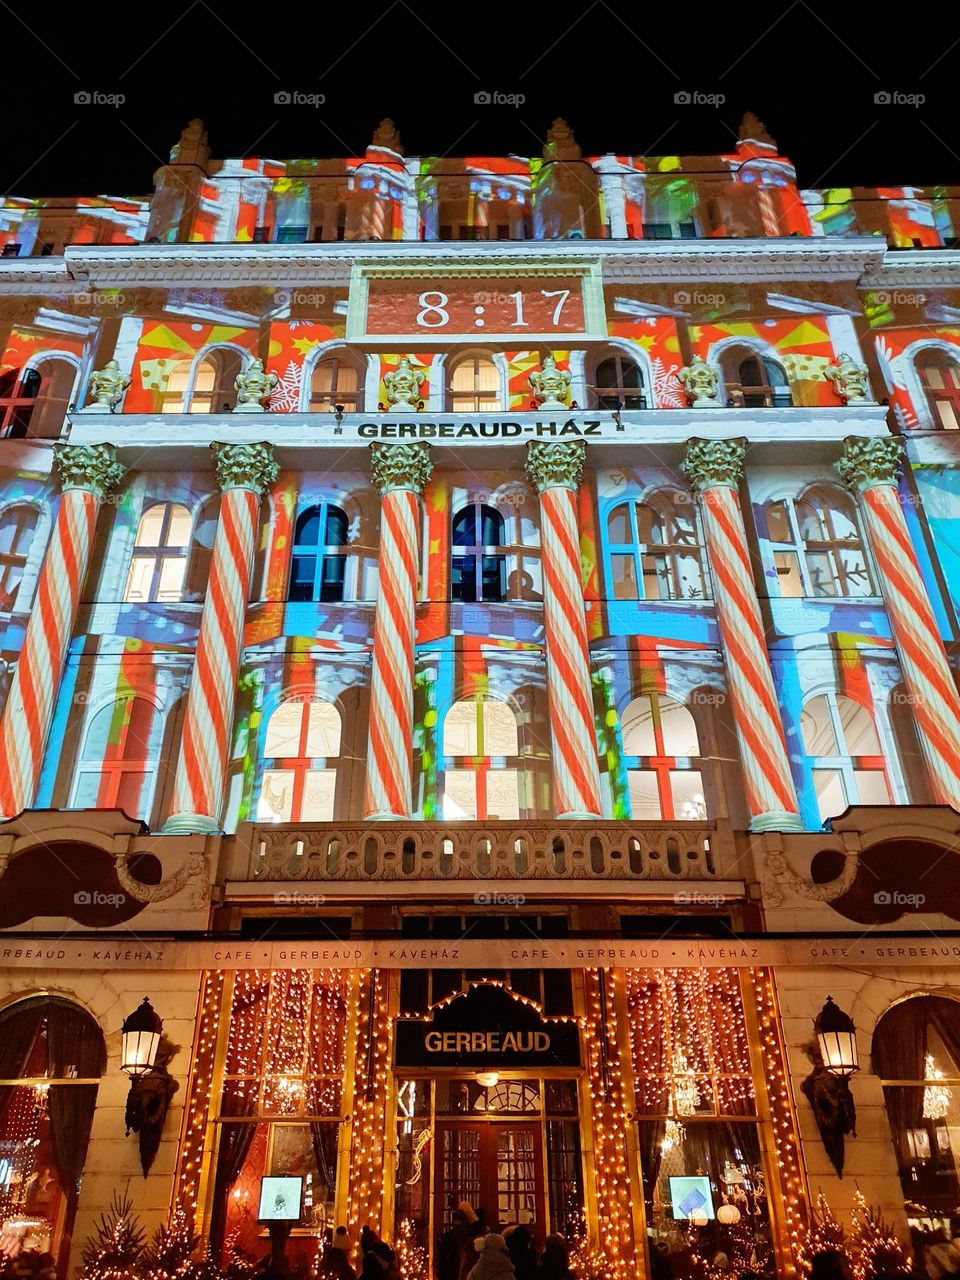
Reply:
x=875, y=1247
x=827, y=1233
x=411, y=1256
x=115, y=1250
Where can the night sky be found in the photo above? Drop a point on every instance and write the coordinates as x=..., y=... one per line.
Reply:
x=810, y=71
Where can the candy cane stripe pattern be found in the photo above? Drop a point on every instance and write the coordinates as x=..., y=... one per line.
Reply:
x=556, y=471
x=399, y=471
x=87, y=473
x=243, y=472
x=870, y=467
x=714, y=467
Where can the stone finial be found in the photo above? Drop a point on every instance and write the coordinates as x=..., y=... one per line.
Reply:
x=713, y=462
x=107, y=386
x=92, y=467
x=870, y=461
x=403, y=385
x=253, y=387
x=850, y=379
x=400, y=466
x=386, y=137
x=701, y=384
x=752, y=129
x=245, y=466
x=550, y=385
x=559, y=465
x=561, y=144
x=193, y=147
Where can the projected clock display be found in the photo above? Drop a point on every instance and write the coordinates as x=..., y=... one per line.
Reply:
x=476, y=308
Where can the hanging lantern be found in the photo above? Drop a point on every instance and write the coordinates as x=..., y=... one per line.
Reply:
x=140, y=1040
x=728, y=1214
x=837, y=1037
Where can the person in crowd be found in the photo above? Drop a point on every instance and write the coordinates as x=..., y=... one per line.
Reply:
x=554, y=1262
x=522, y=1250
x=493, y=1261
x=453, y=1248
x=828, y=1265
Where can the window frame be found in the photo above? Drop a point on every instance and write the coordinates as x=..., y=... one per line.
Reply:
x=845, y=765
x=478, y=553
x=321, y=552
x=455, y=397
x=15, y=559
x=661, y=765
x=352, y=401
x=114, y=765
x=300, y=765
x=741, y=395
x=618, y=391
x=161, y=552
x=664, y=504
x=945, y=363
x=801, y=549
x=481, y=765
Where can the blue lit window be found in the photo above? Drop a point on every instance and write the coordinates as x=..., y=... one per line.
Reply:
x=319, y=554
x=652, y=550
x=479, y=561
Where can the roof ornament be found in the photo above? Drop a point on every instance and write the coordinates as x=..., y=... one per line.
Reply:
x=386, y=138
x=561, y=144
x=752, y=129
x=193, y=147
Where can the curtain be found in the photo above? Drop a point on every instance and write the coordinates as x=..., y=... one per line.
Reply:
x=18, y=1033
x=650, y=1137
x=944, y=1017
x=324, y=1136
x=899, y=1052
x=74, y=1048
x=235, y=1141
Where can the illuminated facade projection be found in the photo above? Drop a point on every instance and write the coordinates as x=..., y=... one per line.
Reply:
x=479, y=646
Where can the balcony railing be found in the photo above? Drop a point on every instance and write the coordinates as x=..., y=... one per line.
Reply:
x=408, y=851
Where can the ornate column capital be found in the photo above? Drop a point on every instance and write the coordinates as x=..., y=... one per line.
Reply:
x=400, y=466
x=553, y=466
x=91, y=467
x=867, y=462
x=709, y=463
x=245, y=466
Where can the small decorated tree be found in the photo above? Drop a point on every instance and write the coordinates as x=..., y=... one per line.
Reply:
x=875, y=1247
x=826, y=1233
x=115, y=1250
x=411, y=1256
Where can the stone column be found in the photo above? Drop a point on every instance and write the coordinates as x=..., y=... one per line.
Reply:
x=399, y=471
x=714, y=468
x=244, y=471
x=87, y=474
x=556, y=470
x=870, y=467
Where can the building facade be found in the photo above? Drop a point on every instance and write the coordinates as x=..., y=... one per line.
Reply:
x=479, y=652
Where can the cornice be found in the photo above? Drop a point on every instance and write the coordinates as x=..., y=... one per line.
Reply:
x=916, y=268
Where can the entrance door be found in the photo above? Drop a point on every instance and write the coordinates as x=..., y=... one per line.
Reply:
x=495, y=1167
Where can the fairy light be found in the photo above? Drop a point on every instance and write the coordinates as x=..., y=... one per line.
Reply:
x=371, y=1089
x=199, y=1094
x=936, y=1097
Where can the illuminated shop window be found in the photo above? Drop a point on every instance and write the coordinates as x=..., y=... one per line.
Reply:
x=752, y=381
x=118, y=759
x=479, y=560
x=319, y=554
x=817, y=545
x=52, y=1055
x=299, y=781
x=33, y=402
x=337, y=380
x=662, y=749
x=17, y=527
x=618, y=383
x=212, y=389
x=482, y=762
x=844, y=754
x=159, y=563
x=475, y=386
x=940, y=377
x=653, y=550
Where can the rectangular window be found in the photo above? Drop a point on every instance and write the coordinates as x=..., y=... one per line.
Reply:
x=139, y=580
x=686, y=787
x=276, y=796
x=830, y=791
x=460, y=794
x=644, y=795
x=318, y=794
x=789, y=578
x=624, y=572
x=872, y=786
x=172, y=572
x=503, y=797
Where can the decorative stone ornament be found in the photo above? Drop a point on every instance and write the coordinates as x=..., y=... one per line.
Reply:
x=850, y=380
x=713, y=462
x=253, y=388
x=245, y=466
x=92, y=467
x=386, y=137
x=400, y=466
x=869, y=462
x=701, y=384
x=556, y=465
x=561, y=144
x=403, y=386
x=551, y=386
x=107, y=386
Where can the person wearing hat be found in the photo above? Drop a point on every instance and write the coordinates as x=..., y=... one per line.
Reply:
x=493, y=1262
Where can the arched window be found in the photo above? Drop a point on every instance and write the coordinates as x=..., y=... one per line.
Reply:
x=939, y=374
x=319, y=554
x=662, y=750
x=299, y=781
x=653, y=550
x=119, y=758
x=337, y=379
x=45, y=1126
x=754, y=381
x=844, y=754
x=212, y=389
x=159, y=562
x=34, y=403
x=173, y=398
x=481, y=761
x=817, y=545
x=916, y=1054
x=17, y=527
x=618, y=383
x=474, y=386
x=479, y=568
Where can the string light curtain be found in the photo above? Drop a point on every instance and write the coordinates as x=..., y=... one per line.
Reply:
x=368, y=1144
x=199, y=1093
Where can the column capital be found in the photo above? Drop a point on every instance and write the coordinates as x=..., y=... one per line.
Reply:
x=400, y=466
x=866, y=462
x=91, y=467
x=709, y=463
x=245, y=466
x=556, y=465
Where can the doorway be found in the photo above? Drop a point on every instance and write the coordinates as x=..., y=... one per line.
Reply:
x=494, y=1166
